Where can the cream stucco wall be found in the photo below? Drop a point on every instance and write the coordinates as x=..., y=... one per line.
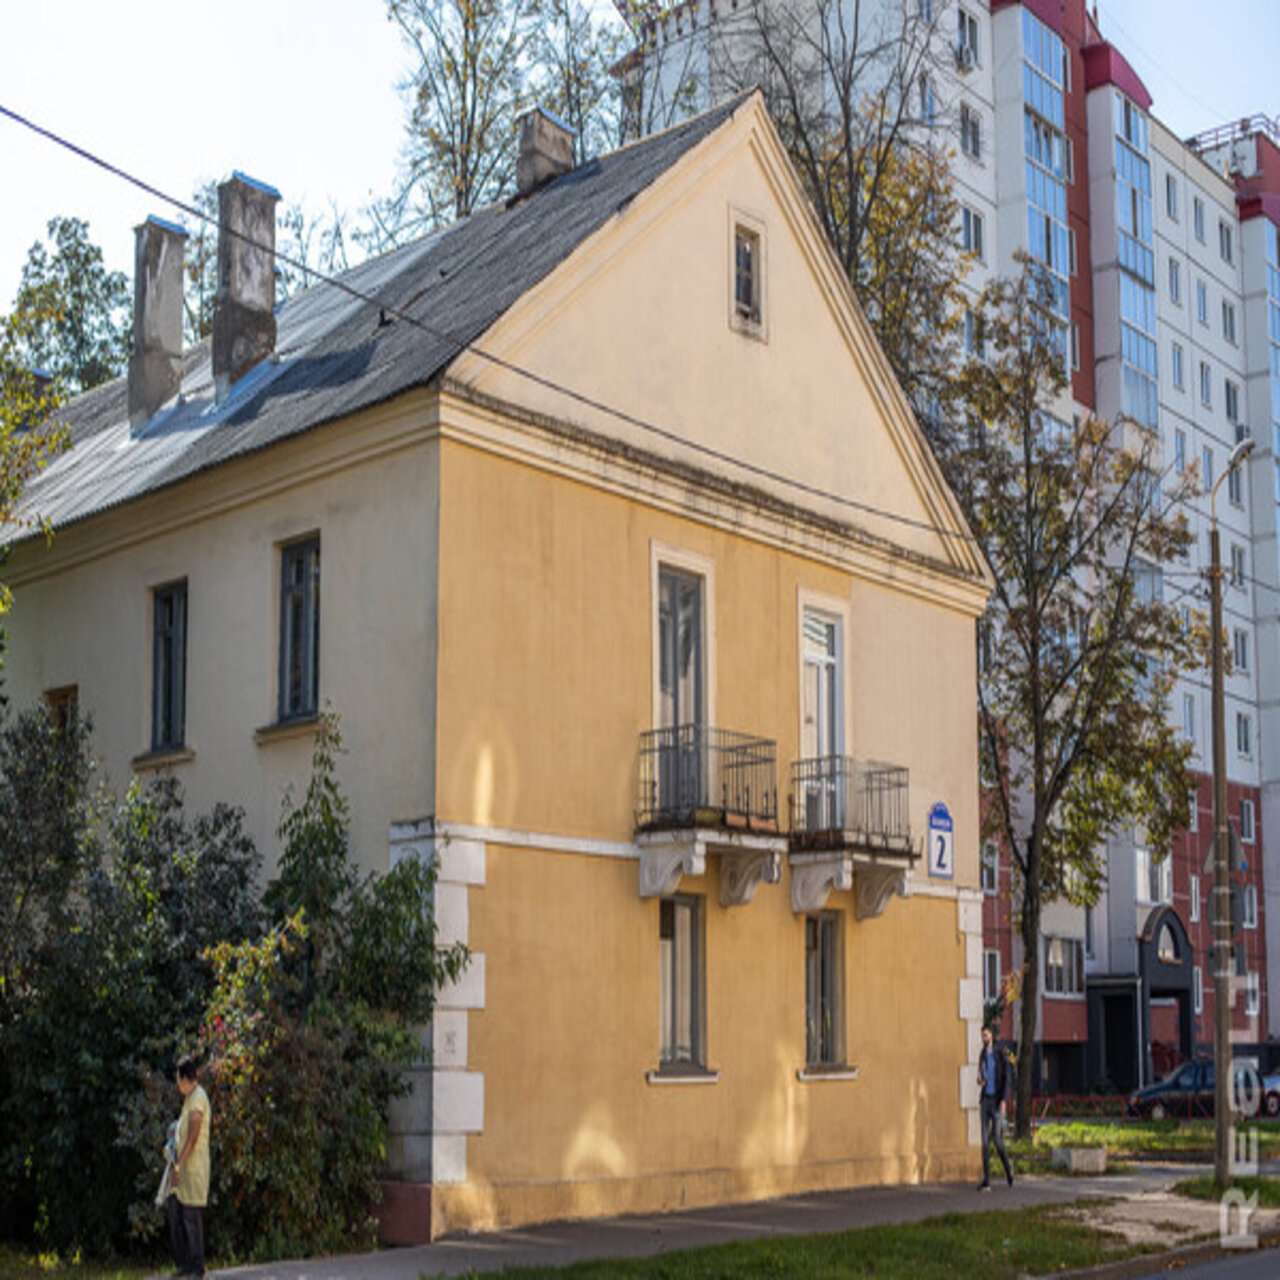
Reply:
x=82, y=615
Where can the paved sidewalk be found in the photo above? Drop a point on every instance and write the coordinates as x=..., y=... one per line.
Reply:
x=558, y=1244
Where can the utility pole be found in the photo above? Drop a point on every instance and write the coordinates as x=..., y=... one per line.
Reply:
x=1221, y=852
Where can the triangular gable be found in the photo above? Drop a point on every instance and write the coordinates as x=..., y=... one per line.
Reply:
x=589, y=335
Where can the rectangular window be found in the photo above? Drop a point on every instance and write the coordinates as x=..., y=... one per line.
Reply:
x=928, y=101
x=1189, y=717
x=967, y=44
x=1240, y=649
x=1180, y=450
x=1193, y=913
x=1063, y=966
x=1177, y=366
x=300, y=629
x=989, y=869
x=821, y=790
x=971, y=233
x=990, y=974
x=970, y=131
x=1244, y=734
x=1075, y=346
x=1224, y=241
x=1238, y=566
x=1206, y=466
x=1232, y=392
x=63, y=704
x=747, y=290
x=1088, y=932
x=1229, y=322
x=1252, y=995
x=1246, y=821
x=1197, y=217
x=680, y=995
x=1171, y=196
x=823, y=1001
x=1202, y=302
x=1071, y=252
x=1197, y=989
x=1154, y=877
x=1235, y=487
x=1175, y=281
x=1193, y=803
x=168, y=666
x=1206, y=385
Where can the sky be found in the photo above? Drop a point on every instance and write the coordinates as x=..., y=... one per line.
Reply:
x=302, y=94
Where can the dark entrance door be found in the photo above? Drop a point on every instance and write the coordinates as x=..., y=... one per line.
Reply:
x=1120, y=1040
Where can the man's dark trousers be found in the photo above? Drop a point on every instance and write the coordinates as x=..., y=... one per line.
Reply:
x=993, y=1128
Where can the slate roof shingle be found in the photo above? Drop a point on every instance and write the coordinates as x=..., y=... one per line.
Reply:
x=333, y=356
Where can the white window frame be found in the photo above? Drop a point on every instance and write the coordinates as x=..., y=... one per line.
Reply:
x=839, y=610
x=835, y=1058
x=990, y=989
x=1175, y=282
x=1231, y=399
x=1206, y=391
x=1239, y=567
x=973, y=232
x=1197, y=217
x=692, y=986
x=1189, y=718
x=971, y=132
x=1177, y=369
x=1193, y=911
x=1248, y=822
x=1202, y=302
x=1171, y=197
x=1244, y=735
x=1194, y=797
x=1251, y=906
x=1144, y=867
x=989, y=868
x=308, y=642
x=1229, y=321
x=1197, y=988
x=662, y=556
x=1226, y=241
x=1252, y=994
x=753, y=224
x=1240, y=648
x=1069, y=989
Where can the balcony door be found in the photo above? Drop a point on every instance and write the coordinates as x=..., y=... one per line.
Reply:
x=820, y=730
x=682, y=775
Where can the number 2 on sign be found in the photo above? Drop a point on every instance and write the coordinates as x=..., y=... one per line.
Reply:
x=940, y=850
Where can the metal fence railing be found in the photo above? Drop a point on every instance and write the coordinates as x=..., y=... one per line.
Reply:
x=864, y=802
x=692, y=774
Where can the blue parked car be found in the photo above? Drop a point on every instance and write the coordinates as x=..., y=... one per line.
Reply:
x=1187, y=1091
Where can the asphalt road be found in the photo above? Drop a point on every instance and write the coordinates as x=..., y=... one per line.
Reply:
x=1251, y=1264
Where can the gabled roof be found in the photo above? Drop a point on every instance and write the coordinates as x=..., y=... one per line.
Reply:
x=335, y=354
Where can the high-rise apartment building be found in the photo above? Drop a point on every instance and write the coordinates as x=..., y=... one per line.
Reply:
x=1165, y=263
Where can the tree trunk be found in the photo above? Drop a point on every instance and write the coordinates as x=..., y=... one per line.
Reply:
x=1030, y=1000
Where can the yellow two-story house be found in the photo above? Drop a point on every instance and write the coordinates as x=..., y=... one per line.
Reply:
x=600, y=520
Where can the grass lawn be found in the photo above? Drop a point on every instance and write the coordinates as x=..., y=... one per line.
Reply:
x=1131, y=1140
x=1205, y=1188
x=19, y=1264
x=996, y=1246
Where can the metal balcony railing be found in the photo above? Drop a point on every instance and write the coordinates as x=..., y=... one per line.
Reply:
x=692, y=776
x=836, y=800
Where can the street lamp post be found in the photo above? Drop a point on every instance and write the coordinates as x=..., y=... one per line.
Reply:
x=1221, y=851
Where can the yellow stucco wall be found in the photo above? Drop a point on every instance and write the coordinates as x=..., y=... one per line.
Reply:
x=83, y=615
x=545, y=687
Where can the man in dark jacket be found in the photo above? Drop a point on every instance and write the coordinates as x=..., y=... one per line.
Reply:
x=995, y=1081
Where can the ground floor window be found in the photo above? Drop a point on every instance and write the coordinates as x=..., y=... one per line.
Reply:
x=680, y=997
x=823, y=991
x=1064, y=966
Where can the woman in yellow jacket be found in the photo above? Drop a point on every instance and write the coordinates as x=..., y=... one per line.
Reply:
x=190, y=1183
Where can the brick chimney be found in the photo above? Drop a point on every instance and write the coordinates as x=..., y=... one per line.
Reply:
x=546, y=149
x=155, y=356
x=244, y=322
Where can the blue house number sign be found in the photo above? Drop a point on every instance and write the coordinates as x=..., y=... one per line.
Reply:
x=941, y=843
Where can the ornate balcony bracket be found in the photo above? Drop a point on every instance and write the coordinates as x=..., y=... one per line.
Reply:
x=743, y=873
x=747, y=861
x=876, y=884
x=666, y=859
x=815, y=875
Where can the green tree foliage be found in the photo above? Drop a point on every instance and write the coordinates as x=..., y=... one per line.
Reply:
x=1079, y=647
x=71, y=315
x=122, y=900
x=305, y=1036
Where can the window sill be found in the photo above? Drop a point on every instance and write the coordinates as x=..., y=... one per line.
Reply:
x=164, y=758
x=283, y=730
x=1064, y=995
x=682, y=1075
x=816, y=1074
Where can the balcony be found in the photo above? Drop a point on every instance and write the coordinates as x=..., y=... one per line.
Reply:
x=850, y=821
x=708, y=790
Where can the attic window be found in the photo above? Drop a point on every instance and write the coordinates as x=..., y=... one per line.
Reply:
x=747, y=275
